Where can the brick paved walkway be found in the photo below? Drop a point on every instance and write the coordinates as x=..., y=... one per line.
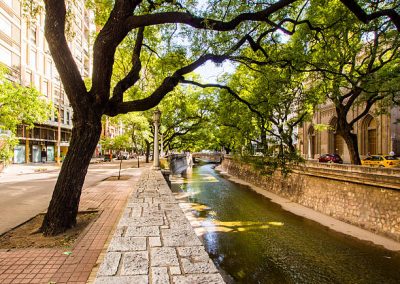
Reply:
x=52, y=265
x=154, y=242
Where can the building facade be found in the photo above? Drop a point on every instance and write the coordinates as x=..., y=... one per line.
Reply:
x=377, y=134
x=24, y=50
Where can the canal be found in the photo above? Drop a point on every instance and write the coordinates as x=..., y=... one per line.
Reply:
x=254, y=240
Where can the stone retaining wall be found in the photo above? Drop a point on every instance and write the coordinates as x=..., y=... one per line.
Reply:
x=350, y=194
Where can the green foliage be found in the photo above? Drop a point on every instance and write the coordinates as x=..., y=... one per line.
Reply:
x=7, y=144
x=20, y=104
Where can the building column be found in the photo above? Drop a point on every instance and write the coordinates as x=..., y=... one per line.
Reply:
x=27, y=149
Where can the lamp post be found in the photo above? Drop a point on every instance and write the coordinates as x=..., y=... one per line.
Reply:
x=58, y=134
x=156, y=120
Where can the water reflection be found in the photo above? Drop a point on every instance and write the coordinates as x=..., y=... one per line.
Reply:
x=255, y=241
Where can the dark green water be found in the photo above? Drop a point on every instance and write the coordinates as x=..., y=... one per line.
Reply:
x=255, y=241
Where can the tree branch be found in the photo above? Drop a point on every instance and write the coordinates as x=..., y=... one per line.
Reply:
x=166, y=86
x=203, y=23
x=366, y=18
x=133, y=76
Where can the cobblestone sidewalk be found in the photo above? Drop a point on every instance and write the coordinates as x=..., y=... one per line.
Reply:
x=154, y=242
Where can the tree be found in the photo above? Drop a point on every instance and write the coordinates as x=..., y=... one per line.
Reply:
x=18, y=105
x=185, y=112
x=175, y=22
x=354, y=65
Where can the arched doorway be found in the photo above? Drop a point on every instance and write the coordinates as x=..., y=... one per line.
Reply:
x=370, y=126
x=311, y=142
x=336, y=143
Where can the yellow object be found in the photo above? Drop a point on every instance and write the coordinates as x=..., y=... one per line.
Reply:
x=386, y=161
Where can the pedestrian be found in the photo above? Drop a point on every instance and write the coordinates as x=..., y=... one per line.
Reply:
x=44, y=156
x=391, y=153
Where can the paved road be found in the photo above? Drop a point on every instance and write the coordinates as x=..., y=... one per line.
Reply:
x=24, y=194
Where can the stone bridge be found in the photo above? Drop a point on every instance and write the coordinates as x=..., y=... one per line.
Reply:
x=215, y=157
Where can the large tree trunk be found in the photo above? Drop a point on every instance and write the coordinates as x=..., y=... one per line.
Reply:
x=352, y=145
x=148, y=144
x=264, y=143
x=63, y=208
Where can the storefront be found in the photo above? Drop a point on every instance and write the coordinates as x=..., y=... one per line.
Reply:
x=39, y=144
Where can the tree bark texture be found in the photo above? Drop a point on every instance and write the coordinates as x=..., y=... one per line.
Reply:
x=148, y=144
x=63, y=208
x=352, y=145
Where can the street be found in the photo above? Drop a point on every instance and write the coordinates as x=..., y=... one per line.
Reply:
x=25, y=193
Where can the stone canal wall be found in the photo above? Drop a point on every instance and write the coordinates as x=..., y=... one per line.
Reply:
x=365, y=197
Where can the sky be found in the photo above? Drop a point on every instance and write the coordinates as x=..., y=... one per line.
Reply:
x=210, y=73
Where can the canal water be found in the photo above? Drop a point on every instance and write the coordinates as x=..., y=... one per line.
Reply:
x=254, y=240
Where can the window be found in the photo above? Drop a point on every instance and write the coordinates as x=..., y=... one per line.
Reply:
x=68, y=118
x=45, y=88
x=5, y=56
x=50, y=134
x=36, y=133
x=37, y=81
x=32, y=35
x=62, y=115
x=20, y=131
x=32, y=59
x=40, y=63
x=48, y=68
x=28, y=78
x=5, y=26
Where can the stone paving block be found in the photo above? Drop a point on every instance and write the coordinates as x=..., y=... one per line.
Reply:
x=120, y=231
x=110, y=264
x=148, y=193
x=136, y=200
x=139, y=279
x=127, y=244
x=165, y=199
x=198, y=279
x=127, y=212
x=135, y=263
x=159, y=275
x=142, y=221
x=163, y=256
x=134, y=205
x=170, y=206
x=147, y=231
x=136, y=212
x=192, y=266
x=154, y=242
x=179, y=238
x=152, y=210
x=180, y=224
x=195, y=252
x=175, y=270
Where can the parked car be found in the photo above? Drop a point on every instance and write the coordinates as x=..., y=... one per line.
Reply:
x=386, y=161
x=330, y=158
x=123, y=156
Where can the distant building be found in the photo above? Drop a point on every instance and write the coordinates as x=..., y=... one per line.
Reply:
x=377, y=134
x=23, y=48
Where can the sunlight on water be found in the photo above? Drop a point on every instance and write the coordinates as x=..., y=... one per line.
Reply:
x=254, y=241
